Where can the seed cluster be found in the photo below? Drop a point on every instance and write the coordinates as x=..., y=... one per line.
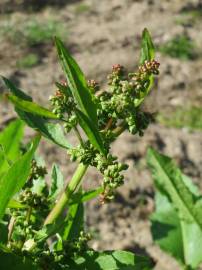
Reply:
x=62, y=257
x=108, y=166
x=64, y=106
x=115, y=105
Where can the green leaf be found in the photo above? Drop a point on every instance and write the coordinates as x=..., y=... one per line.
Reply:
x=10, y=139
x=13, y=262
x=57, y=182
x=87, y=113
x=166, y=228
x=16, y=205
x=16, y=176
x=110, y=260
x=24, y=102
x=147, y=54
x=38, y=186
x=147, y=47
x=4, y=232
x=77, y=82
x=76, y=222
x=91, y=132
x=180, y=216
x=85, y=196
x=51, y=131
x=31, y=107
x=14, y=90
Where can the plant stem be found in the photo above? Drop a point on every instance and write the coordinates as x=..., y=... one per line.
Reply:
x=78, y=135
x=109, y=124
x=71, y=187
x=11, y=228
x=120, y=129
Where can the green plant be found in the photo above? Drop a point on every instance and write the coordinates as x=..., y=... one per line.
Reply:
x=32, y=33
x=81, y=8
x=30, y=212
x=181, y=47
x=177, y=221
x=183, y=117
x=28, y=61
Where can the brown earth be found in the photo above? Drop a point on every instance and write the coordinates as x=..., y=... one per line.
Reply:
x=106, y=33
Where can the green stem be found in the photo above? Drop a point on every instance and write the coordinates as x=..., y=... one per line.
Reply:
x=11, y=228
x=71, y=187
x=73, y=184
x=120, y=129
x=78, y=135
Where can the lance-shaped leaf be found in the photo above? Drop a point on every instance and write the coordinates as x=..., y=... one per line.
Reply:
x=178, y=216
x=147, y=54
x=16, y=176
x=87, y=114
x=15, y=90
x=147, y=47
x=57, y=182
x=10, y=139
x=74, y=222
x=110, y=260
x=31, y=107
x=16, y=205
x=24, y=102
x=49, y=130
x=77, y=82
x=85, y=196
x=91, y=131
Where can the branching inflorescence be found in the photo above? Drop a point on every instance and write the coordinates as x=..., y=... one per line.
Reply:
x=97, y=117
x=116, y=107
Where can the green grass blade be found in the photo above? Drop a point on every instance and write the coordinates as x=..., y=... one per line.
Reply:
x=16, y=177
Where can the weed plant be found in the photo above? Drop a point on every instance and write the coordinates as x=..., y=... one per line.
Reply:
x=43, y=227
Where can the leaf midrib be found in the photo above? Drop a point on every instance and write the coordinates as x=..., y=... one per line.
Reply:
x=180, y=197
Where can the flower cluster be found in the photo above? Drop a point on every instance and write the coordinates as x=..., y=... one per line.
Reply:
x=37, y=171
x=108, y=166
x=118, y=104
x=64, y=106
x=71, y=248
x=32, y=199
